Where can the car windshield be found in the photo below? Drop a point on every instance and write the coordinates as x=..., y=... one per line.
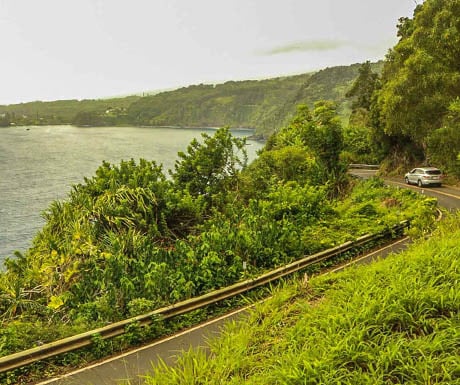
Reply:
x=433, y=172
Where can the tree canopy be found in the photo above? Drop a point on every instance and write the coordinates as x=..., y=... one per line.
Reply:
x=420, y=81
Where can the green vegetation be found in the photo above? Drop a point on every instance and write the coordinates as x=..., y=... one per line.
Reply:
x=264, y=104
x=415, y=109
x=129, y=240
x=395, y=321
x=133, y=238
x=358, y=139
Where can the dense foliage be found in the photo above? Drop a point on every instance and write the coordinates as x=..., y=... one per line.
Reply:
x=359, y=144
x=311, y=144
x=130, y=239
x=415, y=110
x=392, y=322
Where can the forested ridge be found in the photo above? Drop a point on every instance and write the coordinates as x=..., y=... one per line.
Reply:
x=65, y=111
x=264, y=105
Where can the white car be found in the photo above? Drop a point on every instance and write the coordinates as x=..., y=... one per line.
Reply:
x=424, y=176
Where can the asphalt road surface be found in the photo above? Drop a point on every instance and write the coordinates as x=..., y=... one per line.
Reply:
x=448, y=197
x=131, y=366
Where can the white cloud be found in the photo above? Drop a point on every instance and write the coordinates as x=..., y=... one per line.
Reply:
x=305, y=46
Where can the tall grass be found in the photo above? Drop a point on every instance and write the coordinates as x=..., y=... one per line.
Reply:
x=393, y=322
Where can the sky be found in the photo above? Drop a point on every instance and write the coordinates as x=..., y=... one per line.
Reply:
x=89, y=49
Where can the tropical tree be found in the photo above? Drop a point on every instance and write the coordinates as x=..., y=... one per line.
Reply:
x=279, y=165
x=359, y=146
x=443, y=147
x=209, y=168
x=363, y=87
x=319, y=132
x=421, y=77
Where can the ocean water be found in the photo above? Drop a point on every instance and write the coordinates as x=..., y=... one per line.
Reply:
x=40, y=164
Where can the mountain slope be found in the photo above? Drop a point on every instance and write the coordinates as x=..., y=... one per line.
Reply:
x=265, y=105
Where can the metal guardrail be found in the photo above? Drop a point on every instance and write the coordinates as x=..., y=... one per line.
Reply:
x=364, y=166
x=72, y=343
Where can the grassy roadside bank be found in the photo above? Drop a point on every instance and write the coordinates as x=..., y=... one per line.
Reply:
x=395, y=321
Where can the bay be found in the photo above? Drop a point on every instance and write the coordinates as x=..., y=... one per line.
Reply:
x=39, y=164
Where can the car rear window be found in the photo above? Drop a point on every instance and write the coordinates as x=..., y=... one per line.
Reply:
x=433, y=172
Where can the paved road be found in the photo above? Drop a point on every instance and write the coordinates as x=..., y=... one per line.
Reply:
x=448, y=197
x=132, y=365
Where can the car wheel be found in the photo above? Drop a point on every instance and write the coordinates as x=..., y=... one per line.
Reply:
x=419, y=183
x=406, y=179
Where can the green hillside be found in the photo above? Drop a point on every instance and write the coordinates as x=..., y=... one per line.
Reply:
x=392, y=322
x=264, y=105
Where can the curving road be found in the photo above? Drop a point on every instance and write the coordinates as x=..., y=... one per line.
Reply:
x=448, y=197
x=132, y=365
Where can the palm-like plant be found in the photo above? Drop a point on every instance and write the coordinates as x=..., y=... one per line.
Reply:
x=15, y=300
